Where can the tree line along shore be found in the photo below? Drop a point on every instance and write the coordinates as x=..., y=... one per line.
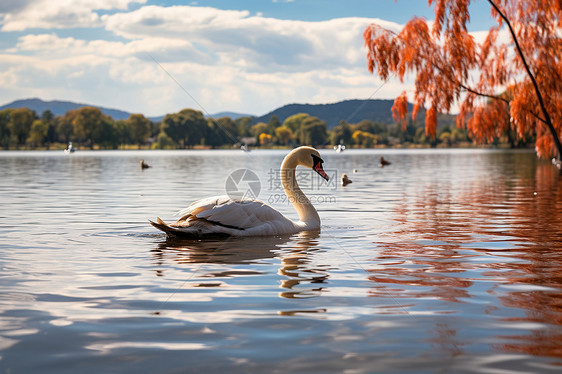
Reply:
x=88, y=127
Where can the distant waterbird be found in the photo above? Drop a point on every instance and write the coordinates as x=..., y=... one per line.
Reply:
x=144, y=165
x=339, y=148
x=345, y=180
x=384, y=162
x=70, y=149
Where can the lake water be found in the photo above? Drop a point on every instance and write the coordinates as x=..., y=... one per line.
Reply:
x=446, y=261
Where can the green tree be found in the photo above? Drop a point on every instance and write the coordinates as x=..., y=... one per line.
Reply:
x=284, y=134
x=258, y=128
x=405, y=131
x=459, y=135
x=228, y=129
x=187, y=128
x=139, y=128
x=313, y=131
x=214, y=136
x=273, y=123
x=49, y=118
x=122, y=132
x=371, y=127
x=86, y=122
x=341, y=133
x=64, y=127
x=295, y=121
x=446, y=138
x=20, y=123
x=104, y=133
x=244, y=124
x=38, y=133
x=5, y=132
x=221, y=131
x=163, y=141
x=420, y=137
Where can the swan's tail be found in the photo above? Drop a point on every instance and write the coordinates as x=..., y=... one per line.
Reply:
x=169, y=230
x=185, y=231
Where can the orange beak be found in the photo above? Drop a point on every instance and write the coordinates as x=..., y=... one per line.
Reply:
x=318, y=167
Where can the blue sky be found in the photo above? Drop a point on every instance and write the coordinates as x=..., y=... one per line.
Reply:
x=243, y=56
x=400, y=11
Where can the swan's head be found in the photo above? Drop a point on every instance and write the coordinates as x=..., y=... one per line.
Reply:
x=309, y=158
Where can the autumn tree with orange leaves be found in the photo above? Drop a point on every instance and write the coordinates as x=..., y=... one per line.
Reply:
x=514, y=73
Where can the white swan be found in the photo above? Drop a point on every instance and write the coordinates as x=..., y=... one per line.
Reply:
x=221, y=215
x=70, y=149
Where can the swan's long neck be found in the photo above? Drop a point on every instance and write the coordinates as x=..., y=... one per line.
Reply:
x=306, y=211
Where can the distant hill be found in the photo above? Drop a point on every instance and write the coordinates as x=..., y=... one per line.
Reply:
x=232, y=115
x=352, y=111
x=59, y=108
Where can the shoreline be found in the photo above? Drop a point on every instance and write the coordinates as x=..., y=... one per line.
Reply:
x=62, y=147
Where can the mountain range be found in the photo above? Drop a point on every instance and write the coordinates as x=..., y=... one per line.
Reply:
x=59, y=108
x=351, y=111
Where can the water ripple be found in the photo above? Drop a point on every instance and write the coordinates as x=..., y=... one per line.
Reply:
x=448, y=260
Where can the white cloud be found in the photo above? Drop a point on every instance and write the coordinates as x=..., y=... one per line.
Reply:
x=227, y=60
x=257, y=43
x=59, y=14
x=52, y=46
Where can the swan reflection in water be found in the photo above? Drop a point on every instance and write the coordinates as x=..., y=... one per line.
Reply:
x=298, y=267
x=303, y=278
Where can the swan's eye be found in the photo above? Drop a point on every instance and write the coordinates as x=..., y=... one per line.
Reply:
x=316, y=160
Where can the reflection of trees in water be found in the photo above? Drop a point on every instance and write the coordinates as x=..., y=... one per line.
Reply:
x=536, y=223
x=511, y=225
x=419, y=277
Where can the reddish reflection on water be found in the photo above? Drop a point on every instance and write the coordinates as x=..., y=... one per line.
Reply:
x=498, y=238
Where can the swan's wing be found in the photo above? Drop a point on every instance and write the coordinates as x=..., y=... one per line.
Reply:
x=221, y=215
x=240, y=214
x=204, y=204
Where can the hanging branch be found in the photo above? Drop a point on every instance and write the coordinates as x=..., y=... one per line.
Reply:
x=547, y=119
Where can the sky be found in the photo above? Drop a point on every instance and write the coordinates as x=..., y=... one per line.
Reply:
x=158, y=57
